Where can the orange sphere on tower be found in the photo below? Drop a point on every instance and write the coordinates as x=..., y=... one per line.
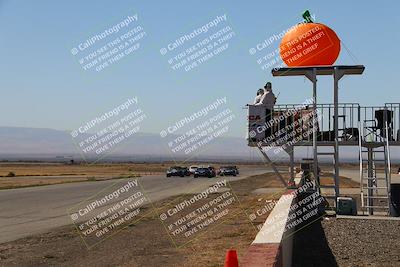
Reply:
x=309, y=44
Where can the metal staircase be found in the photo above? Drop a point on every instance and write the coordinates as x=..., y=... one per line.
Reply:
x=374, y=155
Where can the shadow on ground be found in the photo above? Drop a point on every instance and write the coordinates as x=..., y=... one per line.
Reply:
x=310, y=247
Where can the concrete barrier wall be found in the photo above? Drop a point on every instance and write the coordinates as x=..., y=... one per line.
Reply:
x=273, y=245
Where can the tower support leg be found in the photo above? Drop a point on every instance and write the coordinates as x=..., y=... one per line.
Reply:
x=290, y=151
x=270, y=162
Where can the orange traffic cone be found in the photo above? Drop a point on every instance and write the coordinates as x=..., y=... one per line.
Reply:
x=231, y=259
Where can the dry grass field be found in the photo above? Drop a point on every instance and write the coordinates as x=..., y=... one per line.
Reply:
x=48, y=169
x=16, y=175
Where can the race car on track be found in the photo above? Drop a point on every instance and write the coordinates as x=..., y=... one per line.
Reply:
x=204, y=172
x=176, y=171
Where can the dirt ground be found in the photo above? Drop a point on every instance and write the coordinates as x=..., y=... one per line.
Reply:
x=59, y=169
x=345, y=182
x=19, y=182
x=146, y=243
x=356, y=242
x=348, y=242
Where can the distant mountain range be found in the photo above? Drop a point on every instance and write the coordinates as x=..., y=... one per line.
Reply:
x=19, y=143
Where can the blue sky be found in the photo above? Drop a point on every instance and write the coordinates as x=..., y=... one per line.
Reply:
x=43, y=85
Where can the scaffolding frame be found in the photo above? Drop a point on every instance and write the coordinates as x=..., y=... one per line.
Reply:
x=311, y=73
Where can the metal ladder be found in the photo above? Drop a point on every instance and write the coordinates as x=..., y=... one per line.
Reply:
x=374, y=171
x=329, y=192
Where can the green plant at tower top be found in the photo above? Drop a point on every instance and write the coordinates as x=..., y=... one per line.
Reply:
x=307, y=17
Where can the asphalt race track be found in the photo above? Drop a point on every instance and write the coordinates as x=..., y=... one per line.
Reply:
x=34, y=210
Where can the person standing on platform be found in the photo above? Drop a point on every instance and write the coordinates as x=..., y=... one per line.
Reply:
x=260, y=93
x=267, y=99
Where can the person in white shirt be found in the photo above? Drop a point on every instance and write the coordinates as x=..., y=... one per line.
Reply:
x=260, y=93
x=267, y=99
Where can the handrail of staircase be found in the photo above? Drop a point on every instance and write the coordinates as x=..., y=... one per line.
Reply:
x=360, y=136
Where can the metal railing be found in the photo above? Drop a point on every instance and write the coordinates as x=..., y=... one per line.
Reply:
x=395, y=107
x=381, y=123
x=295, y=120
x=348, y=120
